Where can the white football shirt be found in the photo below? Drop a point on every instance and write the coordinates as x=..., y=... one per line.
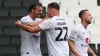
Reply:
x=56, y=33
x=80, y=37
x=30, y=42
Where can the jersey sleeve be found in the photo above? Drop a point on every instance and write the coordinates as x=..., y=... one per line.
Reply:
x=45, y=24
x=73, y=35
x=26, y=21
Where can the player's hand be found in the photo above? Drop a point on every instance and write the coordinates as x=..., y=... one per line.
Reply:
x=18, y=23
x=47, y=16
x=54, y=12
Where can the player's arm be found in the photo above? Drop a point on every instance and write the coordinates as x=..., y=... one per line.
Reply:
x=32, y=24
x=29, y=22
x=42, y=20
x=72, y=37
x=72, y=48
x=27, y=28
x=44, y=25
x=91, y=51
x=32, y=27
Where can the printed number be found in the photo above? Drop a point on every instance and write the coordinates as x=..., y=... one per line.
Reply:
x=61, y=31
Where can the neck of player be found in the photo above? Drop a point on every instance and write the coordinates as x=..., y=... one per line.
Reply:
x=84, y=24
x=32, y=16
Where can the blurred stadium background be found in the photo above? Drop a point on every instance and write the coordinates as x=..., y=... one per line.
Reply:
x=11, y=10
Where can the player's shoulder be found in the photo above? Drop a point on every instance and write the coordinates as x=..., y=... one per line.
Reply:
x=25, y=17
x=77, y=27
x=58, y=17
x=38, y=19
x=48, y=21
x=64, y=17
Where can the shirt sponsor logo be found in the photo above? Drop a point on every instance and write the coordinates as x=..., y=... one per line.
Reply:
x=35, y=35
x=84, y=45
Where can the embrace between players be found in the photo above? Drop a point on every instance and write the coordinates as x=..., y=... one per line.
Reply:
x=56, y=28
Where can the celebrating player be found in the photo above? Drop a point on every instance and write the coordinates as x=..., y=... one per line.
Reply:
x=30, y=42
x=78, y=39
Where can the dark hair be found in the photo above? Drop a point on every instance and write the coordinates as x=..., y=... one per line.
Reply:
x=54, y=5
x=33, y=6
x=82, y=12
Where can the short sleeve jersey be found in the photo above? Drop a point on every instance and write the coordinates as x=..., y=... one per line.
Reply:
x=80, y=37
x=56, y=32
x=30, y=42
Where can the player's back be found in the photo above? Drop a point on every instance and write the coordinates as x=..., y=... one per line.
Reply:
x=57, y=37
